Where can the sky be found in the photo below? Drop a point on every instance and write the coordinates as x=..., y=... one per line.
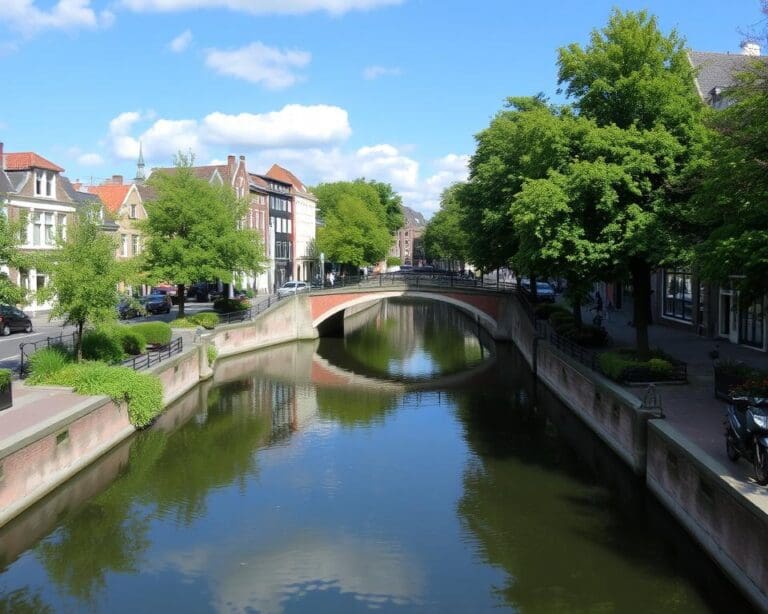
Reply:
x=392, y=90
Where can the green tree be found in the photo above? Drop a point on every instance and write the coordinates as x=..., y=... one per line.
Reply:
x=355, y=230
x=353, y=234
x=193, y=231
x=734, y=188
x=445, y=237
x=10, y=293
x=633, y=77
x=392, y=202
x=84, y=275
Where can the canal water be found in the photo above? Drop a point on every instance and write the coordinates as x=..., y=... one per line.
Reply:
x=412, y=466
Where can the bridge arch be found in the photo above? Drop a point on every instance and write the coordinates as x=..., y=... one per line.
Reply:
x=327, y=308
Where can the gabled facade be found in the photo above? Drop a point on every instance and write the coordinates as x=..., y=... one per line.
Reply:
x=35, y=189
x=304, y=223
x=281, y=230
x=408, y=244
x=124, y=204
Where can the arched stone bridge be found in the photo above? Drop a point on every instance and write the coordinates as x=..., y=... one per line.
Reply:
x=487, y=307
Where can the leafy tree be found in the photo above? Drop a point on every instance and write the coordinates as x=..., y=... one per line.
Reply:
x=84, y=275
x=192, y=231
x=355, y=228
x=732, y=195
x=445, y=237
x=10, y=293
x=633, y=77
x=353, y=234
x=392, y=202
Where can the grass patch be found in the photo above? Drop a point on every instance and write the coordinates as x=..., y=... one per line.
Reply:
x=45, y=362
x=206, y=319
x=142, y=392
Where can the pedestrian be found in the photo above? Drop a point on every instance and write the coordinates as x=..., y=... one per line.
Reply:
x=331, y=278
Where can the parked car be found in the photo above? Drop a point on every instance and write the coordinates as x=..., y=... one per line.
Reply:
x=544, y=291
x=129, y=308
x=13, y=320
x=157, y=302
x=292, y=287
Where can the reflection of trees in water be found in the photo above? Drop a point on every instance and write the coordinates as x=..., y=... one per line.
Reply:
x=537, y=512
x=400, y=328
x=171, y=476
x=358, y=407
x=23, y=601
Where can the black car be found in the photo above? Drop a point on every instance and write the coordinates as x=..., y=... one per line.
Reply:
x=130, y=308
x=157, y=303
x=13, y=320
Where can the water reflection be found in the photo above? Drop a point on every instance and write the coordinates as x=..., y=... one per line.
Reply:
x=339, y=477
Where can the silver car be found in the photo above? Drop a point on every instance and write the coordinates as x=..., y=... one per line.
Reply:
x=292, y=287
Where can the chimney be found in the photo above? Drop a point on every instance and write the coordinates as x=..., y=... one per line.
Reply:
x=117, y=180
x=231, y=163
x=750, y=48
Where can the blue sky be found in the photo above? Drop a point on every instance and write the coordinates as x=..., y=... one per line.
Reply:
x=390, y=89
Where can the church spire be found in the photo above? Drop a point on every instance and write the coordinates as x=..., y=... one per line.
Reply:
x=140, y=175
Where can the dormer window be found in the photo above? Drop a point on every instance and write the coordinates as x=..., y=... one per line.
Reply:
x=45, y=183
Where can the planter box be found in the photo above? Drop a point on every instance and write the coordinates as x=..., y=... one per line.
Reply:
x=725, y=382
x=6, y=397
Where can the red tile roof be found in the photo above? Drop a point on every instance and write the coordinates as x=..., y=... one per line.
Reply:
x=113, y=196
x=23, y=161
x=282, y=174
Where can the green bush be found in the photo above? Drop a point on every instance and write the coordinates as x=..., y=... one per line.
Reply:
x=623, y=365
x=131, y=341
x=183, y=323
x=103, y=345
x=561, y=317
x=228, y=305
x=660, y=368
x=141, y=391
x=206, y=319
x=45, y=362
x=592, y=336
x=543, y=311
x=614, y=364
x=154, y=333
x=212, y=354
x=5, y=379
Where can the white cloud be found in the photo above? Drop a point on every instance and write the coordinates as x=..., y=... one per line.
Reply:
x=90, y=159
x=292, y=126
x=25, y=17
x=374, y=72
x=257, y=63
x=181, y=42
x=260, y=7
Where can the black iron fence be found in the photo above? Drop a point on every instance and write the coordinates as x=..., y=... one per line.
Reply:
x=155, y=356
x=68, y=342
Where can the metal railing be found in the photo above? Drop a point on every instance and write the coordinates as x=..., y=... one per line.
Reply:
x=156, y=356
x=249, y=313
x=26, y=349
x=418, y=280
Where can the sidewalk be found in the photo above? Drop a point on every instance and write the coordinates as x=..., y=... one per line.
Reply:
x=692, y=409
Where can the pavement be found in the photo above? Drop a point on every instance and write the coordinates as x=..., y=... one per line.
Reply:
x=692, y=409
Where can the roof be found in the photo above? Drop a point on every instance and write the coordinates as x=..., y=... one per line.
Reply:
x=717, y=70
x=5, y=183
x=202, y=172
x=279, y=173
x=77, y=196
x=258, y=181
x=113, y=196
x=26, y=160
x=413, y=219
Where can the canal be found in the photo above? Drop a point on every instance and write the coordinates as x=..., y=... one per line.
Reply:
x=412, y=466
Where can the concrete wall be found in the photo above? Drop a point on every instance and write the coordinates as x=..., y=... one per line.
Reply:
x=717, y=511
x=179, y=374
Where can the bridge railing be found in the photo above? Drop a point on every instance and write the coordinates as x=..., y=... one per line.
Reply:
x=417, y=280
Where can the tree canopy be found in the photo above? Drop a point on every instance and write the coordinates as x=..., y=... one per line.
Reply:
x=194, y=231
x=445, y=237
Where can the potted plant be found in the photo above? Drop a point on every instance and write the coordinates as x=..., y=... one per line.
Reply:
x=6, y=390
x=730, y=374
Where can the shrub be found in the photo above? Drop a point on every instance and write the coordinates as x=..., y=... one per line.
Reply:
x=228, y=305
x=141, y=391
x=183, y=323
x=561, y=317
x=103, y=345
x=734, y=368
x=45, y=362
x=206, y=319
x=154, y=333
x=133, y=343
x=212, y=354
x=614, y=364
x=660, y=368
x=623, y=365
x=5, y=379
x=543, y=311
x=592, y=336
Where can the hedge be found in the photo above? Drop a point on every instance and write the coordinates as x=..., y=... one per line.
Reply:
x=154, y=333
x=622, y=365
x=103, y=345
x=206, y=319
x=228, y=305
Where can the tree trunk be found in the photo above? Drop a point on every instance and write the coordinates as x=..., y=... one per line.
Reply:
x=534, y=290
x=181, y=295
x=641, y=285
x=79, y=346
x=576, y=305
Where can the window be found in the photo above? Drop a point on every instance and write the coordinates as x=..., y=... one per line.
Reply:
x=751, y=325
x=38, y=183
x=123, y=245
x=45, y=183
x=678, y=300
x=135, y=247
x=43, y=229
x=290, y=226
x=49, y=184
x=132, y=214
x=61, y=225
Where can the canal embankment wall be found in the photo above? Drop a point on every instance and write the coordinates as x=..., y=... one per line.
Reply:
x=723, y=515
